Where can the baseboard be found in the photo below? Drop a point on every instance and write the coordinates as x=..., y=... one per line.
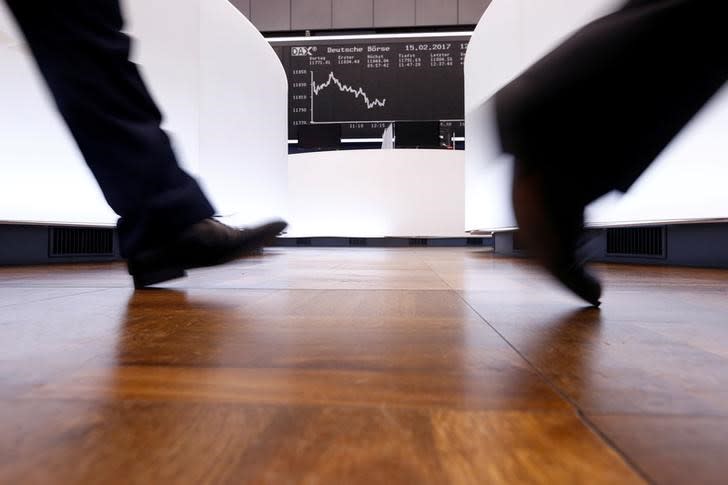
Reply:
x=48, y=244
x=384, y=242
x=695, y=245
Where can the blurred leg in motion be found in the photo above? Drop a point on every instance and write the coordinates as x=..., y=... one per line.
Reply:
x=164, y=225
x=593, y=114
x=83, y=56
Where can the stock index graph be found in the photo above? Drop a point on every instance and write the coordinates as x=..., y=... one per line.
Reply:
x=366, y=83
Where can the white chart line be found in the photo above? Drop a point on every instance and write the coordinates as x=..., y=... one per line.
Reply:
x=316, y=88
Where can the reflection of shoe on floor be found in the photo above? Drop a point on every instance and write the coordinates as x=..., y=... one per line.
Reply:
x=551, y=228
x=206, y=243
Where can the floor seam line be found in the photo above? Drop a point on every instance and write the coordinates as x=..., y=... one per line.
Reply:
x=575, y=407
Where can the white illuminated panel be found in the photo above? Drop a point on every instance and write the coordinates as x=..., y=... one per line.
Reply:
x=227, y=121
x=375, y=193
x=243, y=117
x=687, y=182
x=42, y=174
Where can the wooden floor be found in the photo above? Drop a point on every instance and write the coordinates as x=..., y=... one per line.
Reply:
x=363, y=366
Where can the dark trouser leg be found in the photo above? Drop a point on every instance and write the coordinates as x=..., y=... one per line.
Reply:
x=593, y=114
x=84, y=58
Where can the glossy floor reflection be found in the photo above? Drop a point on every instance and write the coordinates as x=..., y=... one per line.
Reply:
x=362, y=366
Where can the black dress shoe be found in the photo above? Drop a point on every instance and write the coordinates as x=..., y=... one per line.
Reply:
x=206, y=243
x=551, y=224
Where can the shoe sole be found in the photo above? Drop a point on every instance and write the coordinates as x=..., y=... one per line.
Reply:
x=148, y=278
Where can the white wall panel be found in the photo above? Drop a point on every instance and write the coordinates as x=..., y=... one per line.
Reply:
x=243, y=117
x=501, y=48
x=44, y=176
x=686, y=182
x=226, y=121
x=374, y=193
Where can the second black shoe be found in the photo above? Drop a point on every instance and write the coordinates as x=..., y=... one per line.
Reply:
x=205, y=243
x=551, y=224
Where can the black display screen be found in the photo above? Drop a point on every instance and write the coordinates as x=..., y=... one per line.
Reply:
x=366, y=83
